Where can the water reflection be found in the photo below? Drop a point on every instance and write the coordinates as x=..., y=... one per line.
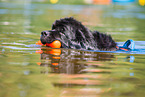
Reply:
x=71, y=61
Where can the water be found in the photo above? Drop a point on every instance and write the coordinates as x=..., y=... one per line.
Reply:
x=29, y=70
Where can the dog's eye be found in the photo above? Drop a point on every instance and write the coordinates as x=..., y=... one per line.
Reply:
x=62, y=29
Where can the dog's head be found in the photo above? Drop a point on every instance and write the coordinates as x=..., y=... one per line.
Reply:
x=49, y=36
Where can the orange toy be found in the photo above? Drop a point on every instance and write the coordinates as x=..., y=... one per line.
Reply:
x=54, y=44
x=39, y=43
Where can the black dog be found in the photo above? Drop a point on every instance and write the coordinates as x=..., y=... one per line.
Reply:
x=72, y=34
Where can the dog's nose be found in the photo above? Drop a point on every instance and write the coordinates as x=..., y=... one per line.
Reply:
x=44, y=33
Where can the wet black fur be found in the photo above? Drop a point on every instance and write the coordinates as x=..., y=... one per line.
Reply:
x=74, y=35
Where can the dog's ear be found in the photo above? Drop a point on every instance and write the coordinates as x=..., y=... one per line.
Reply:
x=58, y=26
x=54, y=24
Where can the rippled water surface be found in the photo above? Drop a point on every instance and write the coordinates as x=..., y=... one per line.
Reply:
x=29, y=70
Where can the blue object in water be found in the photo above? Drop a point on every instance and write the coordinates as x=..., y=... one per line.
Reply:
x=129, y=45
x=123, y=1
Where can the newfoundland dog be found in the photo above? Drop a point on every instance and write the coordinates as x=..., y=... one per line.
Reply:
x=74, y=35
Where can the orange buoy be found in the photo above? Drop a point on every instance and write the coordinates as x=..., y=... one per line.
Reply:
x=54, y=44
